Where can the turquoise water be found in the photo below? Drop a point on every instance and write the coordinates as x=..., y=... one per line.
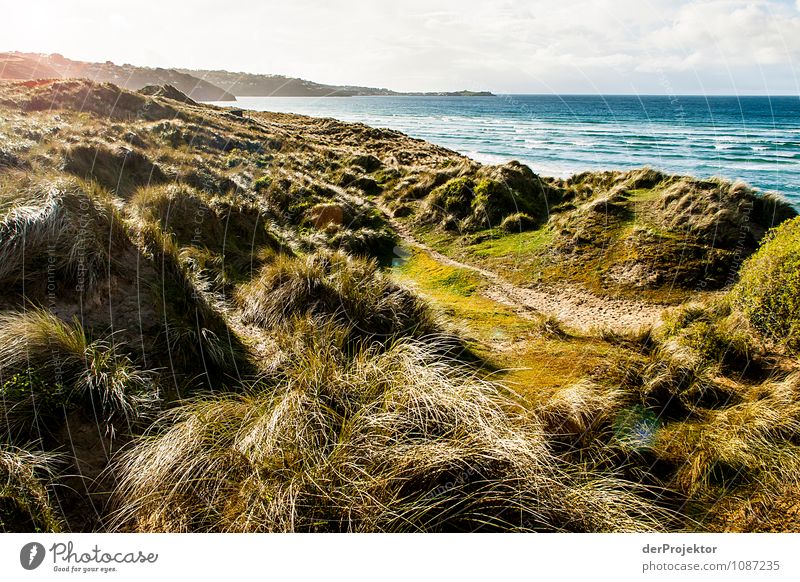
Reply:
x=755, y=139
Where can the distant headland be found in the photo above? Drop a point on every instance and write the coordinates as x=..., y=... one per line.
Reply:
x=200, y=85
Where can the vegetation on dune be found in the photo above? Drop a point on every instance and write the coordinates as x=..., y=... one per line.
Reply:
x=493, y=196
x=646, y=230
x=391, y=441
x=104, y=99
x=330, y=219
x=716, y=416
x=48, y=367
x=61, y=229
x=348, y=290
x=25, y=504
x=615, y=232
x=221, y=238
x=120, y=169
x=769, y=288
x=231, y=270
x=193, y=333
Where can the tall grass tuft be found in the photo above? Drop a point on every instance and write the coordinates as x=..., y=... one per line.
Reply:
x=194, y=332
x=392, y=440
x=62, y=227
x=350, y=290
x=24, y=501
x=750, y=446
x=48, y=366
x=224, y=239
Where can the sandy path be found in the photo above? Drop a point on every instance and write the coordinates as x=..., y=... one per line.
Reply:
x=573, y=306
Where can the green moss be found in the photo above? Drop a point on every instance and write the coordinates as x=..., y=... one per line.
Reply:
x=511, y=246
x=512, y=347
x=436, y=276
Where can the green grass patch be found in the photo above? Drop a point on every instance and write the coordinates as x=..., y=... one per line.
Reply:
x=513, y=246
x=514, y=347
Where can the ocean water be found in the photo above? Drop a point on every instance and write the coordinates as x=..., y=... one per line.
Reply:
x=755, y=139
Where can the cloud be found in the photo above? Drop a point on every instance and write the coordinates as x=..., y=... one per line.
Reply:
x=728, y=33
x=503, y=45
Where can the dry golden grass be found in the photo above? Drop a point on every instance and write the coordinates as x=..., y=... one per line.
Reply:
x=48, y=366
x=350, y=290
x=398, y=440
x=62, y=227
x=25, y=503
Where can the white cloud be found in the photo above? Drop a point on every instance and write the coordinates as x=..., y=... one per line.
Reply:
x=504, y=45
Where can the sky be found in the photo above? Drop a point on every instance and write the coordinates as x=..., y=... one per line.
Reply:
x=671, y=47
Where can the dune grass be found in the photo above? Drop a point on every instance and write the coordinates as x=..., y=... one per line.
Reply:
x=717, y=416
x=120, y=169
x=394, y=440
x=224, y=238
x=25, y=504
x=194, y=335
x=351, y=290
x=48, y=366
x=64, y=228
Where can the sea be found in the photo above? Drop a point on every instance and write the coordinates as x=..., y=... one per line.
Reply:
x=754, y=139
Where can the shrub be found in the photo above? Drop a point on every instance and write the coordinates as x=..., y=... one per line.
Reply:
x=262, y=184
x=453, y=197
x=391, y=441
x=493, y=200
x=517, y=222
x=492, y=194
x=522, y=190
x=768, y=291
x=366, y=242
x=714, y=335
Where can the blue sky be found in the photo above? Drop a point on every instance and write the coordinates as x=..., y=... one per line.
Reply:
x=507, y=46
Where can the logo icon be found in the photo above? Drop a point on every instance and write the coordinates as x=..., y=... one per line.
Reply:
x=31, y=555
